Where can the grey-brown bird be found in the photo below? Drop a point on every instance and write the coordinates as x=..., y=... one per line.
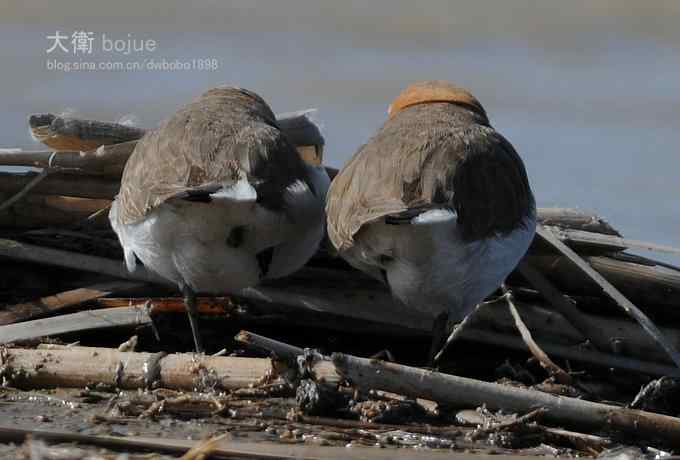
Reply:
x=218, y=198
x=437, y=204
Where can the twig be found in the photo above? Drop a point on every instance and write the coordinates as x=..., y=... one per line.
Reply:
x=61, y=183
x=552, y=368
x=279, y=349
x=612, y=292
x=563, y=305
x=575, y=219
x=27, y=188
x=508, y=425
x=225, y=449
x=457, y=331
x=607, y=242
x=460, y=328
x=75, y=322
x=40, y=254
x=55, y=303
x=203, y=449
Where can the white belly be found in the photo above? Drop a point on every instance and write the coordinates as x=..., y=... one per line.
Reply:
x=186, y=243
x=429, y=268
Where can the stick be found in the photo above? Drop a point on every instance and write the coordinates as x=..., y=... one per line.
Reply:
x=61, y=133
x=612, y=292
x=458, y=330
x=40, y=211
x=508, y=425
x=459, y=391
x=205, y=305
x=279, y=349
x=60, y=183
x=563, y=305
x=31, y=253
x=325, y=290
x=107, y=160
x=55, y=303
x=575, y=219
x=576, y=354
x=539, y=354
x=226, y=449
x=75, y=322
x=27, y=188
x=646, y=261
x=77, y=367
x=204, y=448
x=612, y=243
x=549, y=326
x=651, y=283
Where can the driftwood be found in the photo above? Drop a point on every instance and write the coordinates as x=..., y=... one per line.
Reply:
x=75, y=322
x=54, y=303
x=48, y=256
x=654, y=286
x=65, y=133
x=78, y=367
x=59, y=183
x=564, y=306
x=39, y=211
x=548, y=325
x=107, y=160
x=231, y=449
x=279, y=349
x=204, y=305
x=464, y=392
x=612, y=292
x=6, y=204
x=588, y=241
x=576, y=219
x=576, y=354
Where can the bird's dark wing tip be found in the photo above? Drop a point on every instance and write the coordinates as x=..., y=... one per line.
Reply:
x=409, y=216
x=198, y=194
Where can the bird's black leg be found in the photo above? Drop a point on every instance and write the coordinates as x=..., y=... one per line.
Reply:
x=438, y=336
x=192, y=311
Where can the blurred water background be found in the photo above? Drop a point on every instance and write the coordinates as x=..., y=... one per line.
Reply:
x=587, y=91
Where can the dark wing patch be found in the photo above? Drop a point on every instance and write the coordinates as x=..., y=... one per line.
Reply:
x=274, y=165
x=491, y=189
x=406, y=217
x=198, y=194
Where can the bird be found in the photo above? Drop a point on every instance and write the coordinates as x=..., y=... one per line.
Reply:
x=217, y=199
x=437, y=205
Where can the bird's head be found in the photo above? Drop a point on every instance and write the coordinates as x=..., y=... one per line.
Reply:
x=304, y=133
x=430, y=91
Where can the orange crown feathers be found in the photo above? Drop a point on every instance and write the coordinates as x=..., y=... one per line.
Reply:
x=434, y=91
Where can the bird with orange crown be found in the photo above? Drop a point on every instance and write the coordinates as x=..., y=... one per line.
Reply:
x=437, y=205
